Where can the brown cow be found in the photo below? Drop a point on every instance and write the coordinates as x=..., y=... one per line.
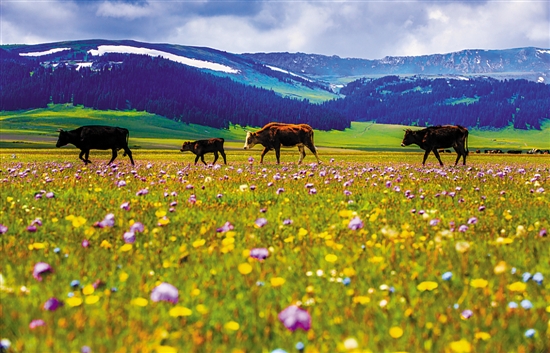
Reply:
x=200, y=147
x=432, y=138
x=274, y=135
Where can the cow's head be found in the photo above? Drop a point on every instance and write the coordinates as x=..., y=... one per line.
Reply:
x=409, y=138
x=63, y=139
x=187, y=146
x=251, y=140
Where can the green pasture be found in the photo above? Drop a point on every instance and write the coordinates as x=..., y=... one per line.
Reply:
x=451, y=259
x=37, y=129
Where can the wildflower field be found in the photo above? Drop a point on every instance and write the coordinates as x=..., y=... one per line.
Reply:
x=366, y=252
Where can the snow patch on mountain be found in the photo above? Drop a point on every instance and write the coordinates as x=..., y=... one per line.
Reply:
x=288, y=72
x=42, y=53
x=124, y=49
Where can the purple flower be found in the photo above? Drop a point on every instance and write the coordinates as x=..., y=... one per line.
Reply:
x=219, y=196
x=481, y=208
x=40, y=268
x=225, y=228
x=293, y=318
x=192, y=199
x=3, y=229
x=129, y=237
x=347, y=192
x=472, y=220
x=142, y=192
x=355, y=223
x=108, y=221
x=250, y=160
x=312, y=191
x=280, y=190
x=434, y=222
x=463, y=228
x=542, y=232
x=287, y=221
x=50, y=195
x=85, y=243
x=52, y=304
x=36, y=323
x=309, y=185
x=165, y=292
x=466, y=314
x=121, y=183
x=259, y=253
x=260, y=222
x=125, y=206
x=32, y=228
x=137, y=227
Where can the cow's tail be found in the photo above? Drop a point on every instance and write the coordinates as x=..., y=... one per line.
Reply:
x=466, y=143
x=127, y=140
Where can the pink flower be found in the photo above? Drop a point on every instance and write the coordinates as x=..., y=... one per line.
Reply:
x=36, y=323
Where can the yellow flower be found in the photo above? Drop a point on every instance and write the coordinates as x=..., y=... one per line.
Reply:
x=427, y=286
x=361, y=299
x=232, y=326
x=331, y=258
x=198, y=243
x=245, y=268
x=126, y=247
x=482, y=336
x=349, y=272
x=92, y=299
x=376, y=259
x=500, y=268
x=461, y=346
x=160, y=213
x=123, y=276
x=89, y=289
x=37, y=246
x=396, y=332
x=165, y=349
x=517, y=287
x=180, y=311
x=277, y=281
x=163, y=221
x=302, y=232
x=479, y=283
x=74, y=301
x=105, y=244
x=140, y=301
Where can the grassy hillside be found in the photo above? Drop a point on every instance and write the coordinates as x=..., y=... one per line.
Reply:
x=37, y=129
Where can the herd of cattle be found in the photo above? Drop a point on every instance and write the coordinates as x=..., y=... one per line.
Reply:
x=272, y=136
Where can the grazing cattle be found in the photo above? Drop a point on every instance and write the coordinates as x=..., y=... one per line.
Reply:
x=200, y=147
x=96, y=137
x=273, y=136
x=478, y=151
x=514, y=151
x=432, y=138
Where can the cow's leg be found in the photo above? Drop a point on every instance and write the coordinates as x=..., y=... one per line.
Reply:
x=314, y=151
x=80, y=156
x=215, y=157
x=278, y=154
x=87, y=156
x=437, y=156
x=197, y=159
x=202, y=159
x=263, y=154
x=223, y=155
x=113, y=156
x=302, y=154
x=425, y=156
x=129, y=153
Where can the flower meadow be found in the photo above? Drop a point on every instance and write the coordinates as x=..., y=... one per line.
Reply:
x=362, y=253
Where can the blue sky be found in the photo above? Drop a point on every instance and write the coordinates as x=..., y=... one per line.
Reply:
x=369, y=29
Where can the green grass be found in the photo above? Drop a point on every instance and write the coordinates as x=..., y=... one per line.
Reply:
x=37, y=129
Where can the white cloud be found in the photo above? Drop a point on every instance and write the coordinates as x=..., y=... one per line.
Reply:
x=123, y=10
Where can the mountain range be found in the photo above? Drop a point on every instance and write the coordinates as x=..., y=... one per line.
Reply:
x=205, y=86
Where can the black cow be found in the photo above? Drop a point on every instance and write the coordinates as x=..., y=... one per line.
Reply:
x=96, y=137
x=514, y=151
x=432, y=138
x=273, y=136
x=200, y=147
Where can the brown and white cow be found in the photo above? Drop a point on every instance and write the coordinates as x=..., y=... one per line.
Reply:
x=273, y=136
x=435, y=137
x=96, y=137
x=200, y=147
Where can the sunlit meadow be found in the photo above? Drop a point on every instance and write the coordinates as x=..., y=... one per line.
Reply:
x=363, y=253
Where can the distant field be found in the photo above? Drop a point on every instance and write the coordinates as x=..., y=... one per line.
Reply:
x=37, y=129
